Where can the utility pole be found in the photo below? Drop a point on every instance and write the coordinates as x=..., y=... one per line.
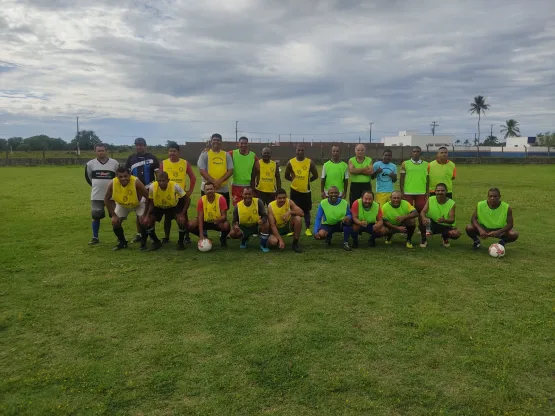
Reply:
x=370, y=124
x=491, y=130
x=289, y=137
x=433, y=126
x=236, y=139
x=77, y=137
x=279, y=138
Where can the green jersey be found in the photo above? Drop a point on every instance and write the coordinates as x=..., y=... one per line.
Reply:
x=368, y=215
x=334, y=213
x=242, y=167
x=390, y=213
x=492, y=218
x=415, y=178
x=365, y=163
x=335, y=174
x=437, y=210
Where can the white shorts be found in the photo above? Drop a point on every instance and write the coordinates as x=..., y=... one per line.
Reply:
x=123, y=212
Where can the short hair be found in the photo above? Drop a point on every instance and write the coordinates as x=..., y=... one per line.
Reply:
x=208, y=184
x=494, y=190
x=416, y=147
x=368, y=191
x=387, y=151
x=216, y=136
x=396, y=192
x=173, y=145
x=332, y=187
x=122, y=169
x=100, y=145
x=360, y=145
x=281, y=191
x=442, y=148
x=163, y=175
x=442, y=184
x=243, y=138
x=246, y=188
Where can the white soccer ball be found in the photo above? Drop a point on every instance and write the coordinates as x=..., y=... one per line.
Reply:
x=496, y=250
x=204, y=245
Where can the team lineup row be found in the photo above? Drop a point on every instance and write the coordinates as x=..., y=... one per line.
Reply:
x=156, y=191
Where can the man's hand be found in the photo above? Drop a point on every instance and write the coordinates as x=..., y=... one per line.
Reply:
x=323, y=194
x=281, y=243
x=441, y=219
x=379, y=170
x=286, y=216
x=494, y=234
x=399, y=219
x=391, y=175
x=364, y=223
x=483, y=234
x=317, y=236
x=402, y=229
x=347, y=220
x=236, y=227
x=180, y=218
x=143, y=219
x=189, y=193
x=116, y=222
x=217, y=184
x=426, y=221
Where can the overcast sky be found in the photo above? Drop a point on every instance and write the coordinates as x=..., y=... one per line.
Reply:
x=322, y=69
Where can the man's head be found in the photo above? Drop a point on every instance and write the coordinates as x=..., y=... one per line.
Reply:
x=100, y=150
x=266, y=154
x=163, y=179
x=333, y=194
x=494, y=197
x=216, y=142
x=247, y=195
x=300, y=152
x=281, y=197
x=123, y=175
x=387, y=156
x=367, y=199
x=140, y=146
x=441, y=190
x=335, y=153
x=396, y=198
x=416, y=150
x=173, y=151
x=209, y=189
x=442, y=154
x=243, y=145
x=360, y=151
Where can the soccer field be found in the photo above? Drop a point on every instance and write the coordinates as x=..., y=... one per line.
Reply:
x=374, y=331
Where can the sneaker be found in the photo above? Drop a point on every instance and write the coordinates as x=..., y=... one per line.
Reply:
x=372, y=242
x=355, y=244
x=264, y=249
x=143, y=247
x=328, y=241
x=388, y=240
x=255, y=235
x=187, y=239
x=346, y=247
x=308, y=233
x=296, y=248
x=165, y=240
x=476, y=245
x=180, y=246
x=223, y=243
x=424, y=243
x=290, y=234
x=137, y=238
x=408, y=244
x=244, y=244
x=120, y=246
x=445, y=243
x=94, y=241
x=157, y=245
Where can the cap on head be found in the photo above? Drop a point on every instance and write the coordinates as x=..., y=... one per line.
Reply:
x=140, y=140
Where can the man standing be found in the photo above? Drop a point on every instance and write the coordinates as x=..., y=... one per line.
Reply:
x=492, y=218
x=398, y=217
x=166, y=199
x=442, y=170
x=243, y=165
x=284, y=217
x=266, y=177
x=249, y=219
x=301, y=171
x=212, y=215
x=385, y=173
x=414, y=185
x=98, y=174
x=367, y=218
x=335, y=172
x=216, y=166
x=360, y=168
x=178, y=170
x=126, y=194
x=439, y=214
x=143, y=166
x=334, y=215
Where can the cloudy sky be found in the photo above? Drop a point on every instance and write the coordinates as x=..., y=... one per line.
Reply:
x=322, y=69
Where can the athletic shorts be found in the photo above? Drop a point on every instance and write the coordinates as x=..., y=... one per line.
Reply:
x=286, y=229
x=122, y=212
x=417, y=201
x=266, y=197
x=356, y=190
x=248, y=231
x=168, y=212
x=438, y=228
x=449, y=194
x=97, y=209
x=383, y=198
x=302, y=199
x=368, y=229
x=224, y=194
x=336, y=228
x=210, y=226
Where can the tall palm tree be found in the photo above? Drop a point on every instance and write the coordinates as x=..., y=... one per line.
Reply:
x=479, y=107
x=511, y=128
x=457, y=142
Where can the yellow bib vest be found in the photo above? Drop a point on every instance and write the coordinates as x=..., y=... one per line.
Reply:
x=248, y=216
x=217, y=164
x=177, y=171
x=301, y=169
x=267, y=181
x=211, y=210
x=278, y=212
x=126, y=196
x=164, y=198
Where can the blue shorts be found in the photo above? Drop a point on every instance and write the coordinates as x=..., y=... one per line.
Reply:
x=330, y=229
x=368, y=229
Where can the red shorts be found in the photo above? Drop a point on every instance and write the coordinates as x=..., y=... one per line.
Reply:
x=236, y=194
x=417, y=201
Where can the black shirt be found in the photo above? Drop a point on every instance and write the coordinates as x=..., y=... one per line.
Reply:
x=143, y=167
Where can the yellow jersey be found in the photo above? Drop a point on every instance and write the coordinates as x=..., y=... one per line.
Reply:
x=248, y=216
x=267, y=180
x=212, y=210
x=166, y=198
x=278, y=212
x=177, y=171
x=126, y=196
x=301, y=169
x=217, y=164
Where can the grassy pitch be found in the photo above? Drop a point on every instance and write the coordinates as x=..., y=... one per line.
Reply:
x=376, y=331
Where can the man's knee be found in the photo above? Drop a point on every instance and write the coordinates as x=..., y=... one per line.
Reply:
x=356, y=228
x=470, y=229
x=322, y=233
x=224, y=227
x=454, y=234
x=512, y=235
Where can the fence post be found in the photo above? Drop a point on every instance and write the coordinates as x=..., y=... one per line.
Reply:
x=402, y=156
x=548, y=151
x=526, y=152
x=478, y=153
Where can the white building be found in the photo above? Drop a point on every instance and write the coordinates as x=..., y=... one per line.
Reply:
x=520, y=141
x=413, y=138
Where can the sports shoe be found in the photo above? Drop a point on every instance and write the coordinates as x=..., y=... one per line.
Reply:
x=180, y=246
x=290, y=234
x=388, y=240
x=408, y=244
x=157, y=245
x=143, y=247
x=137, y=238
x=120, y=246
x=165, y=240
x=308, y=233
x=372, y=242
x=264, y=249
x=94, y=241
x=355, y=244
x=296, y=248
x=223, y=243
x=445, y=243
x=187, y=239
x=424, y=243
x=476, y=245
x=328, y=241
x=346, y=247
x=244, y=244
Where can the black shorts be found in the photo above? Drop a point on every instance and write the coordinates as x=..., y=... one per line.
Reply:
x=266, y=197
x=356, y=190
x=224, y=194
x=210, y=226
x=437, y=228
x=302, y=199
x=168, y=212
x=448, y=194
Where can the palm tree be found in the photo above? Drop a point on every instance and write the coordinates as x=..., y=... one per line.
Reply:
x=457, y=142
x=511, y=128
x=479, y=107
x=467, y=142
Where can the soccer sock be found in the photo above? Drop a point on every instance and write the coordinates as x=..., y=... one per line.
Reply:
x=307, y=221
x=153, y=236
x=223, y=236
x=264, y=239
x=346, y=233
x=410, y=232
x=502, y=242
x=118, y=231
x=167, y=226
x=181, y=235
x=355, y=237
x=95, y=227
x=295, y=241
x=445, y=236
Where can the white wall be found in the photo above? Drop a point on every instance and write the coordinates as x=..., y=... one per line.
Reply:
x=517, y=141
x=419, y=140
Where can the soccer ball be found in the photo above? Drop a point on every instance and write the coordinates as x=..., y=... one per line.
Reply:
x=496, y=250
x=204, y=245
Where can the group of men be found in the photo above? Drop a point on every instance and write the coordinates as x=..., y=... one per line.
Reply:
x=162, y=190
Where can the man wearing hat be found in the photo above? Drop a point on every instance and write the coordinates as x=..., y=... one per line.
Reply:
x=142, y=165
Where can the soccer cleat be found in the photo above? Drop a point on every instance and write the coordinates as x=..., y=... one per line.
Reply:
x=372, y=242
x=94, y=241
x=157, y=245
x=165, y=240
x=187, y=239
x=290, y=234
x=143, y=247
x=355, y=244
x=180, y=246
x=346, y=247
x=476, y=245
x=388, y=240
x=296, y=248
x=408, y=244
x=120, y=246
x=137, y=238
x=264, y=249
x=328, y=241
x=445, y=242
x=244, y=244
x=424, y=243
x=223, y=243
x=308, y=233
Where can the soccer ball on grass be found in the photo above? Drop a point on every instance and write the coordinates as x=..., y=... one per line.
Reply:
x=204, y=245
x=496, y=250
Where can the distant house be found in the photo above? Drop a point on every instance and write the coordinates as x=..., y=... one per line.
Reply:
x=520, y=141
x=413, y=138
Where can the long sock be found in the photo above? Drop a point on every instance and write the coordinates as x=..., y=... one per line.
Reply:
x=410, y=232
x=95, y=227
x=372, y=235
x=307, y=221
x=223, y=236
x=167, y=226
x=354, y=235
x=445, y=236
x=295, y=241
x=346, y=233
x=118, y=231
x=264, y=239
x=153, y=236
x=181, y=235
x=502, y=242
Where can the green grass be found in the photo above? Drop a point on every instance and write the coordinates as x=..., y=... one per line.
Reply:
x=376, y=331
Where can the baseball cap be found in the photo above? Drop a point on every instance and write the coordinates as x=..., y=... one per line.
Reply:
x=140, y=140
